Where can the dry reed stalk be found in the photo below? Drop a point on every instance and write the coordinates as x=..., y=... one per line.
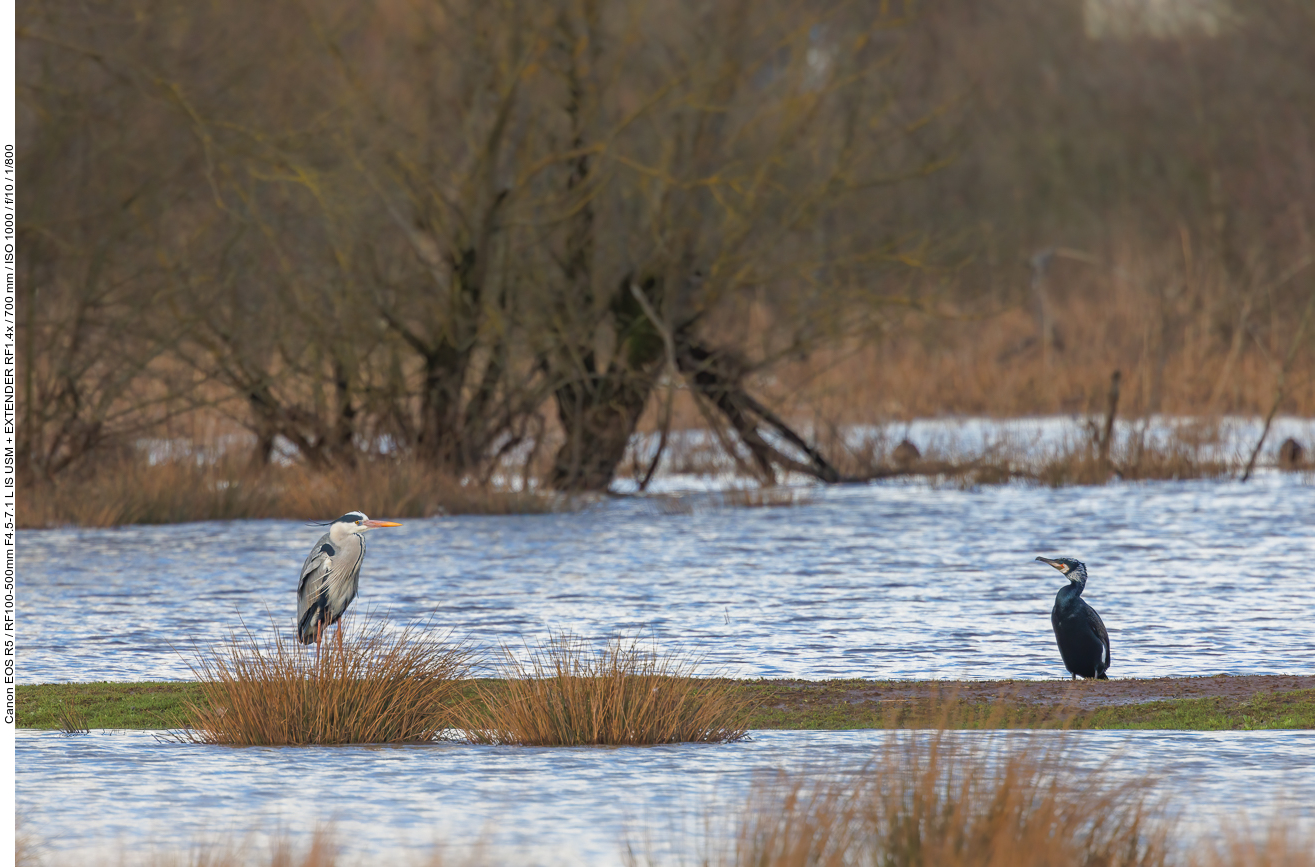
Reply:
x=1279, y=847
x=27, y=847
x=379, y=687
x=571, y=694
x=322, y=850
x=72, y=721
x=933, y=799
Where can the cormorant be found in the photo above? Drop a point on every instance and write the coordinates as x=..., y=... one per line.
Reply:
x=1083, y=642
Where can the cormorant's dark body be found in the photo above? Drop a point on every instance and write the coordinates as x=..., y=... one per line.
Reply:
x=1084, y=643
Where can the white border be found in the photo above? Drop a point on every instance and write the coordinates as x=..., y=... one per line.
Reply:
x=9, y=270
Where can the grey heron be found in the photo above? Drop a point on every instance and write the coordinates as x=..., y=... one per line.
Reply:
x=331, y=575
x=1084, y=644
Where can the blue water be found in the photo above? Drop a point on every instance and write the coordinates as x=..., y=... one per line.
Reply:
x=899, y=580
x=126, y=791
x=892, y=580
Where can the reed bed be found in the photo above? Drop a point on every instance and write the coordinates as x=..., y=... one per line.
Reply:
x=569, y=693
x=1277, y=847
x=1191, y=449
x=380, y=686
x=321, y=850
x=137, y=492
x=930, y=799
x=1185, y=453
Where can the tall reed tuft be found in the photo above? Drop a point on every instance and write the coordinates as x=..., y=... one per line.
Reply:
x=568, y=693
x=381, y=686
x=933, y=799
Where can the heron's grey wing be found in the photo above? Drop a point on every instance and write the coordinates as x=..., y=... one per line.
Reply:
x=311, y=590
x=343, y=578
x=1098, y=626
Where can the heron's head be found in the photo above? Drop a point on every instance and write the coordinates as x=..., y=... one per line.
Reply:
x=1074, y=570
x=358, y=522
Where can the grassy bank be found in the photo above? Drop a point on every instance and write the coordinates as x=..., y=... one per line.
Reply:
x=1223, y=704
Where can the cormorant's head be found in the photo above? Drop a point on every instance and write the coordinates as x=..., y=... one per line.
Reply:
x=357, y=522
x=1074, y=570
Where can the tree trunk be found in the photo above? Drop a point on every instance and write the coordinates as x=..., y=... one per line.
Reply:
x=600, y=408
x=719, y=377
x=598, y=416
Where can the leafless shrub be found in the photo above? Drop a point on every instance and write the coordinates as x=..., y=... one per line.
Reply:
x=467, y=229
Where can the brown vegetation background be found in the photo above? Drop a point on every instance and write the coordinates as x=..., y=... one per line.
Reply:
x=460, y=233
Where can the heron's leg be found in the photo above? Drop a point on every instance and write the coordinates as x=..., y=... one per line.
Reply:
x=319, y=632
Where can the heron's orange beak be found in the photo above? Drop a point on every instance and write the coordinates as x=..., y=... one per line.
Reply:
x=374, y=524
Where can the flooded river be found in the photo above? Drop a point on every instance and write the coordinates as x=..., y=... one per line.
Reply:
x=890, y=580
x=895, y=580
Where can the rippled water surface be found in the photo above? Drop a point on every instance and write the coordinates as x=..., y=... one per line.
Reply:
x=897, y=580
x=551, y=806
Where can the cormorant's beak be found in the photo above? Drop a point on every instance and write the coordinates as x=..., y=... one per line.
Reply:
x=373, y=524
x=1060, y=566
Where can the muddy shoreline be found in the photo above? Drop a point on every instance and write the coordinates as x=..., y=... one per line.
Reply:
x=1078, y=695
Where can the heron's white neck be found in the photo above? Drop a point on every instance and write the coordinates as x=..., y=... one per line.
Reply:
x=340, y=533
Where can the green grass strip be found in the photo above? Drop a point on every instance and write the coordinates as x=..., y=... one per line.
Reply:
x=818, y=705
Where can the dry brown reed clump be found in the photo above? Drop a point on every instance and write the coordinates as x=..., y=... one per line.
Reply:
x=135, y=492
x=934, y=799
x=321, y=850
x=1186, y=453
x=1172, y=461
x=1279, y=847
x=380, y=686
x=569, y=693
